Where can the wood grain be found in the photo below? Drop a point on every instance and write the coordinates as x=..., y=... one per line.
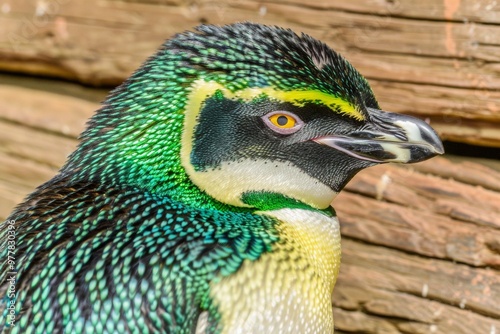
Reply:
x=435, y=59
x=421, y=243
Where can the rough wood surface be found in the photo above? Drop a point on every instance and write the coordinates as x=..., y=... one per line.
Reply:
x=421, y=244
x=436, y=59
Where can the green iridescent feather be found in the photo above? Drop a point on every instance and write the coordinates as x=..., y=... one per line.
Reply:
x=135, y=137
x=98, y=249
x=121, y=240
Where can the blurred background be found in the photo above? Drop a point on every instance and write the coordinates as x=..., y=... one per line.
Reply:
x=421, y=243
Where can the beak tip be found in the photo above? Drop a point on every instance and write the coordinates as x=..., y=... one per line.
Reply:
x=433, y=140
x=440, y=149
x=424, y=150
x=394, y=138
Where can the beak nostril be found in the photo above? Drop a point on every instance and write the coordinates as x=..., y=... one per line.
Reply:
x=366, y=135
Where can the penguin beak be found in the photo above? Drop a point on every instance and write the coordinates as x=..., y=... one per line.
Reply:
x=388, y=137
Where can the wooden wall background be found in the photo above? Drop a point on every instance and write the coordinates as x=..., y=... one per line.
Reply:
x=421, y=244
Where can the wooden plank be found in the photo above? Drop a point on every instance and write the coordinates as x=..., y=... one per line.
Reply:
x=451, y=234
x=44, y=148
x=47, y=111
x=389, y=291
x=133, y=28
x=19, y=177
x=394, y=34
x=434, y=59
x=421, y=249
x=426, y=192
x=478, y=11
x=461, y=171
x=38, y=129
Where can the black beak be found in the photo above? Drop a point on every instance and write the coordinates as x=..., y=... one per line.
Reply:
x=389, y=137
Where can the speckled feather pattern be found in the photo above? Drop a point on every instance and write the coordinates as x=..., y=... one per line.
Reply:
x=121, y=240
x=135, y=137
x=120, y=260
x=300, y=274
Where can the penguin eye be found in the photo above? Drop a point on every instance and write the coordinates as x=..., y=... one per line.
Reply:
x=283, y=122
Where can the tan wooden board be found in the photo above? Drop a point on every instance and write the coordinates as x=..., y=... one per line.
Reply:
x=436, y=59
x=421, y=244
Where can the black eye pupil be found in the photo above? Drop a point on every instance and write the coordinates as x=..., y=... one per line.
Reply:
x=282, y=120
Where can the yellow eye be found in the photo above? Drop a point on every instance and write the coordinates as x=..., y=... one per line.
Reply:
x=283, y=121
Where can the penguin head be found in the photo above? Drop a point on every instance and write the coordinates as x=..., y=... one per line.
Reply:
x=248, y=116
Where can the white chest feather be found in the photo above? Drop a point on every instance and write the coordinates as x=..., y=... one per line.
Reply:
x=288, y=290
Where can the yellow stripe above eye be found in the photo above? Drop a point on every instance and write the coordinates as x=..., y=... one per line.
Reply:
x=203, y=89
x=231, y=191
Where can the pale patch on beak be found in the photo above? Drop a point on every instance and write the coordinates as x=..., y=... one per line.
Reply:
x=389, y=138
